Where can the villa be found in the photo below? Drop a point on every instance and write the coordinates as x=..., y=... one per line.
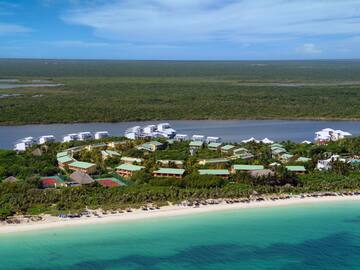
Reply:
x=127, y=170
x=84, y=167
x=196, y=144
x=169, y=172
x=296, y=169
x=109, y=153
x=214, y=146
x=131, y=160
x=64, y=161
x=228, y=149
x=213, y=161
x=246, y=168
x=151, y=146
x=219, y=173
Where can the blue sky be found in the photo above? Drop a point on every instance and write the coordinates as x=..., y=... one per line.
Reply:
x=180, y=29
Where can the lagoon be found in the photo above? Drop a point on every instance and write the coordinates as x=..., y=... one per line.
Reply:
x=316, y=236
x=229, y=131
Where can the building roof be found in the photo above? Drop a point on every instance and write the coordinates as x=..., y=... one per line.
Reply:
x=82, y=165
x=110, y=153
x=277, y=145
x=247, y=167
x=296, y=168
x=303, y=159
x=286, y=156
x=156, y=143
x=260, y=173
x=61, y=154
x=214, y=172
x=278, y=150
x=214, y=160
x=228, y=147
x=214, y=145
x=81, y=178
x=196, y=143
x=64, y=159
x=129, y=167
x=170, y=171
x=131, y=159
x=10, y=179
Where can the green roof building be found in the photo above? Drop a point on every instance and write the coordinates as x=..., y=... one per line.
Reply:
x=296, y=169
x=169, y=172
x=221, y=173
x=245, y=168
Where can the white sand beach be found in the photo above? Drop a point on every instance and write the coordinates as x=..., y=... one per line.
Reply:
x=50, y=222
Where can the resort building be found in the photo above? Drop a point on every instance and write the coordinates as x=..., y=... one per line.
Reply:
x=214, y=146
x=110, y=182
x=84, y=136
x=115, y=144
x=328, y=134
x=246, y=168
x=219, y=173
x=64, y=161
x=242, y=153
x=46, y=139
x=52, y=182
x=109, y=153
x=101, y=135
x=228, y=149
x=80, y=178
x=211, y=139
x=213, y=161
x=151, y=146
x=181, y=137
x=261, y=173
x=171, y=163
x=131, y=160
x=91, y=147
x=169, y=172
x=198, y=138
x=127, y=170
x=84, y=167
x=196, y=144
x=286, y=157
x=303, y=159
x=296, y=169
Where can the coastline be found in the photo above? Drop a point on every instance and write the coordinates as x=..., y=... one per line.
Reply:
x=50, y=222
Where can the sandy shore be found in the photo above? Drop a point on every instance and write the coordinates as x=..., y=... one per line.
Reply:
x=49, y=222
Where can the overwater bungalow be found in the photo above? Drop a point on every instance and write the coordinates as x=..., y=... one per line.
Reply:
x=127, y=170
x=84, y=167
x=219, y=173
x=169, y=172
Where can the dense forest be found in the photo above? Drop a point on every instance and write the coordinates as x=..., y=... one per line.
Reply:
x=109, y=91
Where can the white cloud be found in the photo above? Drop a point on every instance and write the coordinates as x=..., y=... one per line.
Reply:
x=308, y=48
x=6, y=29
x=174, y=21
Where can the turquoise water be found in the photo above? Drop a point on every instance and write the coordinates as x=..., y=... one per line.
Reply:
x=319, y=236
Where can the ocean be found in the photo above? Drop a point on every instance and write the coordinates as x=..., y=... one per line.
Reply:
x=311, y=236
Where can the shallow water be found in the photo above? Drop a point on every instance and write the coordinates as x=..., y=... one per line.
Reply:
x=229, y=131
x=317, y=236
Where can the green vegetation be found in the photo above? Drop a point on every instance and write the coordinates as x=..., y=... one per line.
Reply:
x=109, y=91
x=27, y=195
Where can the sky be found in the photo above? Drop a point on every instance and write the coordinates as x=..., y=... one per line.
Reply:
x=180, y=29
